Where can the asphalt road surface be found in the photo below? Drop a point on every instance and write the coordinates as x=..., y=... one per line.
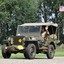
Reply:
x=55, y=60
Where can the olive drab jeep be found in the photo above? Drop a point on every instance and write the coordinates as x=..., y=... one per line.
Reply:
x=31, y=39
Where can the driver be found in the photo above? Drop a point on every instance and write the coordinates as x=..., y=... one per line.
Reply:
x=44, y=32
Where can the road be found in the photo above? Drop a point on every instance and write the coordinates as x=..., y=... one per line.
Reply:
x=55, y=60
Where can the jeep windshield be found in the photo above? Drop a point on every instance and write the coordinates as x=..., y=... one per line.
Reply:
x=22, y=29
x=26, y=29
x=34, y=29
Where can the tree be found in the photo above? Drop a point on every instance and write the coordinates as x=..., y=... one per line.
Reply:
x=14, y=12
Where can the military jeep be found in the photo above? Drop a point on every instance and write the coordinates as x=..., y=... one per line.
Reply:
x=28, y=40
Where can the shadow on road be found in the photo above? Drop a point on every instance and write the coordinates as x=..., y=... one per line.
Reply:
x=29, y=59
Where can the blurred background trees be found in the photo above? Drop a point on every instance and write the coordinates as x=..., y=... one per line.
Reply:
x=14, y=12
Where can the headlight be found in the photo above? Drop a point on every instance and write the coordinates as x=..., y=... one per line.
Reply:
x=9, y=38
x=20, y=40
x=24, y=39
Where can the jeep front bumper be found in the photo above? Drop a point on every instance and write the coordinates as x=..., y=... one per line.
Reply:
x=15, y=48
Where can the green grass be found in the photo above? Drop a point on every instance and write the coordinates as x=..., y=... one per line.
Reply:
x=59, y=53
x=40, y=55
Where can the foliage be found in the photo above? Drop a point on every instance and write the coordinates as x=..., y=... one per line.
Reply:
x=14, y=12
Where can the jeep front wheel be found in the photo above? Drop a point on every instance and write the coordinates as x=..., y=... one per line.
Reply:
x=5, y=53
x=50, y=52
x=30, y=51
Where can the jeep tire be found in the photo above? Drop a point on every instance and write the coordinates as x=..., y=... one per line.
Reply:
x=5, y=53
x=50, y=52
x=30, y=51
